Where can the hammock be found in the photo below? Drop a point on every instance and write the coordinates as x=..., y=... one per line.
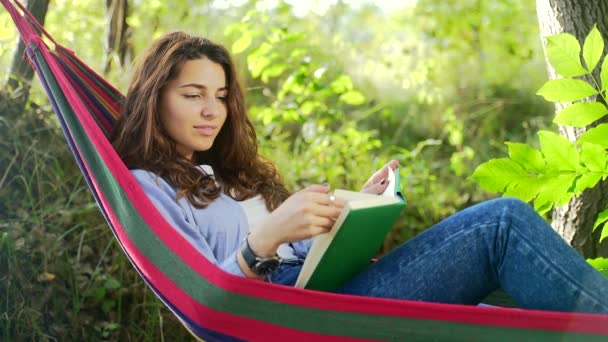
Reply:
x=215, y=305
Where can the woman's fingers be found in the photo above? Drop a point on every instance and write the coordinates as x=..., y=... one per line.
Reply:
x=394, y=164
x=379, y=187
x=326, y=199
x=380, y=174
x=317, y=188
x=323, y=222
x=328, y=211
x=383, y=172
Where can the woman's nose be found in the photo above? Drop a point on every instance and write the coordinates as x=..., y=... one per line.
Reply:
x=210, y=107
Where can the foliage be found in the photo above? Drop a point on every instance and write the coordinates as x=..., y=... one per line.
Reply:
x=561, y=169
x=600, y=264
x=62, y=275
x=333, y=97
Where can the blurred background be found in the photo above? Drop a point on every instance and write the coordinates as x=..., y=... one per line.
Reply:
x=336, y=89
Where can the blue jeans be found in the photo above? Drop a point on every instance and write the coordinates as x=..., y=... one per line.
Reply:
x=502, y=243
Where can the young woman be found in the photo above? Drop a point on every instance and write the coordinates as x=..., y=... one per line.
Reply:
x=186, y=137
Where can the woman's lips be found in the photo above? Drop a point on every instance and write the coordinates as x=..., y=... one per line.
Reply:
x=205, y=129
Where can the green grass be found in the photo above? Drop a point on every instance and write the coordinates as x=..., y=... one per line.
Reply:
x=62, y=275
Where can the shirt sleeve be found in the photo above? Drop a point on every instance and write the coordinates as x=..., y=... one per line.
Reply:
x=162, y=196
x=301, y=248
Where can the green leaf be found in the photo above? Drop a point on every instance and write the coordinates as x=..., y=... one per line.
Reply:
x=524, y=188
x=542, y=208
x=99, y=293
x=566, y=90
x=273, y=71
x=586, y=181
x=581, y=114
x=600, y=264
x=257, y=65
x=563, y=51
x=258, y=59
x=496, y=174
x=594, y=157
x=559, y=152
x=556, y=190
x=307, y=107
x=108, y=305
x=597, y=135
x=261, y=50
x=604, y=74
x=601, y=218
x=530, y=158
x=242, y=43
x=604, y=234
x=342, y=84
x=593, y=48
x=111, y=284
x=353, y=98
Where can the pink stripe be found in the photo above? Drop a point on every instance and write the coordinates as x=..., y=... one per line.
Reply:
x=527, y=319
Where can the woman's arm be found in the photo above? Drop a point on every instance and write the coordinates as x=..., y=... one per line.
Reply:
x=162, y=196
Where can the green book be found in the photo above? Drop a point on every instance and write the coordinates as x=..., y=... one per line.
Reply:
x=347, y=249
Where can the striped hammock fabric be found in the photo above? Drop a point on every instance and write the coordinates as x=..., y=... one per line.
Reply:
x=217, y=306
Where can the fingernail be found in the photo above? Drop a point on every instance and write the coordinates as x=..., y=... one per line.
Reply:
x=383, y=181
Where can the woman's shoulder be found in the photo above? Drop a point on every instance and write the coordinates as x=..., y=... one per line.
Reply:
x=141, y=173
x=145, y=177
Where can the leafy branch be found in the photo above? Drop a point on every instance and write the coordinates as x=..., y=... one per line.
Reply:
x=561, y=169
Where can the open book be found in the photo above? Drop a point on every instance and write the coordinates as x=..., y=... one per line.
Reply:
x=337, y=256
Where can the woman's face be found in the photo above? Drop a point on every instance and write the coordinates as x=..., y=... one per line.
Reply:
x=193, y=105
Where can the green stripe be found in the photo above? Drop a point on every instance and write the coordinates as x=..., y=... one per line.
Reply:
x=308, y=319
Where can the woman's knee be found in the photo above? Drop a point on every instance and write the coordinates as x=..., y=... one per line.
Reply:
x=512, y=206
x=509, y=210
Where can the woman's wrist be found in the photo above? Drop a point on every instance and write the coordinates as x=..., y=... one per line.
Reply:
x=262, y=244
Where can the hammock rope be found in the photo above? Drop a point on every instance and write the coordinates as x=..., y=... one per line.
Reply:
x=215, y=305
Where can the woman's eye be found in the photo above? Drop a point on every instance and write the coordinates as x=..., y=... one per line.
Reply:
x=192, y=96
x=223, y=98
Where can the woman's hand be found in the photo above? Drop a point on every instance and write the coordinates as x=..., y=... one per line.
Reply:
x=305, y=214
x=378, y=182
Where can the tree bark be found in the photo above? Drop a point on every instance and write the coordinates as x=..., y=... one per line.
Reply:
x=574, y=221
x=118, y=45
x=21, y=72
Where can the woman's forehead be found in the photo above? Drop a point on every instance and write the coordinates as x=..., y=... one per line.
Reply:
x=201, y=73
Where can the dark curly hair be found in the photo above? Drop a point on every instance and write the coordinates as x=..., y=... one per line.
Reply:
x=143, y=143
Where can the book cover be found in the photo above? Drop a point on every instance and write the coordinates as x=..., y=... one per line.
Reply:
x=347, y=249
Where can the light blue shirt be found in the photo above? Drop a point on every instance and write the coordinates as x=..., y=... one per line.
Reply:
x=216, y=231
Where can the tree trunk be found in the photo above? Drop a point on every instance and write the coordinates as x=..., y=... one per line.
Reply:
x=21, y=73
x=574, y=221
x=118, y=45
